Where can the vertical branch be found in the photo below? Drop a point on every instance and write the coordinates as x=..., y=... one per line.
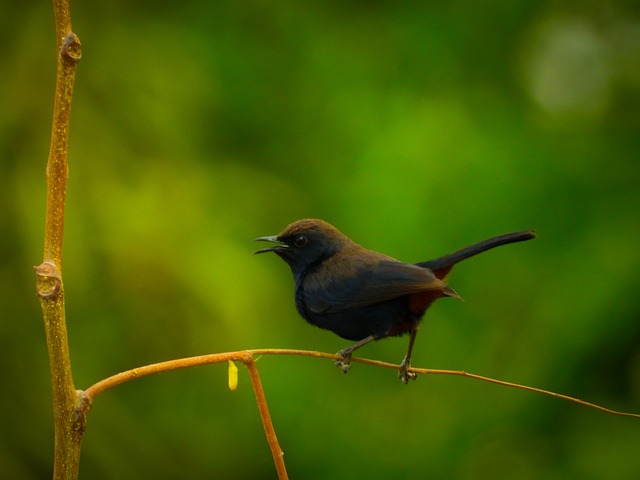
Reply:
x=69, y=52
x=276, y=451
x=62, y=17
x=49, y=286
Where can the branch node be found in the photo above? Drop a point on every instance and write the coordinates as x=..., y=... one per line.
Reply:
x=71, y=49
x=246, y=357
x=83, y=405
x=48, y=281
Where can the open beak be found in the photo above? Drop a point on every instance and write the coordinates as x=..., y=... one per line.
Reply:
x=273, y=239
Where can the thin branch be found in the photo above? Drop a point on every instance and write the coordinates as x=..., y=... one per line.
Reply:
x=62, y=16
x=524, y=387
x=69, y=55
x=49, y=284
x=241, y=356
x=248, y=358
x=276, y=451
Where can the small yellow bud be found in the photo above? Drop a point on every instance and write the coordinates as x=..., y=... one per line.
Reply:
x=233, y=376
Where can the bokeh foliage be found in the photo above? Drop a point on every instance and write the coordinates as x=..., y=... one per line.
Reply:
x=414, y=127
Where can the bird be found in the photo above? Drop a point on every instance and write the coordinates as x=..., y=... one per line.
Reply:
x=362, y=295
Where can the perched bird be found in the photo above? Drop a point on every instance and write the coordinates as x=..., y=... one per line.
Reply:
x=363, y=295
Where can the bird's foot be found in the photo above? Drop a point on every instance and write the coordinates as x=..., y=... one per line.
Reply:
x=404, y=374
x=343, y=362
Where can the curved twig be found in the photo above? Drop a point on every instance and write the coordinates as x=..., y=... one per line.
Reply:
x=248, y=358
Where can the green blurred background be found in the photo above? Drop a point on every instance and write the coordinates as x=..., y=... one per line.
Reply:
x=414, y=127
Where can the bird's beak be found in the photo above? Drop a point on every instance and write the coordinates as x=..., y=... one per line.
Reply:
x=273, y=239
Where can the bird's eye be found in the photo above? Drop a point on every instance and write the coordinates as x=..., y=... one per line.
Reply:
x=300, y=241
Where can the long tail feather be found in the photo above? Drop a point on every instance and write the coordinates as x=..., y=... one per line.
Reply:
x=441, y=266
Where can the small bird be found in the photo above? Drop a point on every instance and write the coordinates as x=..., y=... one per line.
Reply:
x=362, y=295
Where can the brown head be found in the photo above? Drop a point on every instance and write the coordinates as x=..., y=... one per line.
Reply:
x=305, y=243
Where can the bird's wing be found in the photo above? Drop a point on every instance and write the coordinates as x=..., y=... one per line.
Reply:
x=347, y=285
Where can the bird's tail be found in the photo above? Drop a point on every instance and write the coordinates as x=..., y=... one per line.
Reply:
x=450, y=292
x=441, y=266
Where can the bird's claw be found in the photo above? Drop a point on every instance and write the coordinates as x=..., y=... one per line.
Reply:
x=343, y=362
x=404, y=373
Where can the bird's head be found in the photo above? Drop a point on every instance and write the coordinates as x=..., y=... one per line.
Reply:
x=305, y=243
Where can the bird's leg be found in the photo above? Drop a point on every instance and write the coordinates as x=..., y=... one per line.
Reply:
x=404, y=374
x=344, y=360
